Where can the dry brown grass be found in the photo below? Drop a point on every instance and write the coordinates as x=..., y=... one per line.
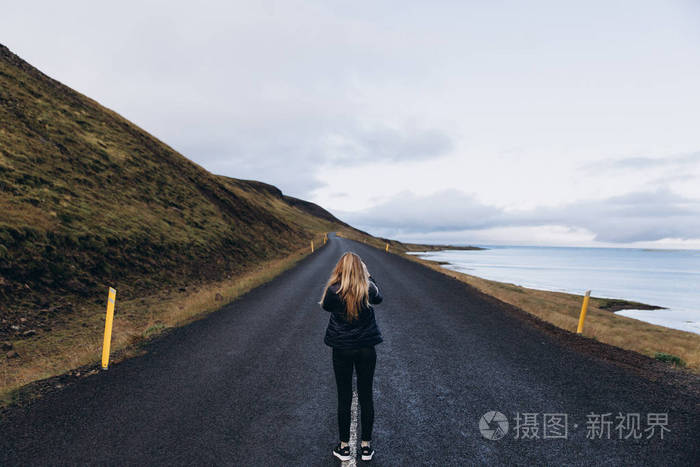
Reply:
x=80, y=343
x=562, y=310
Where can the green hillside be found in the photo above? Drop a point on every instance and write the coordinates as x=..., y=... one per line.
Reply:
x=88, y=199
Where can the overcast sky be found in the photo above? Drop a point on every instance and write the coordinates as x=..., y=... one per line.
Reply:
x=517, y=122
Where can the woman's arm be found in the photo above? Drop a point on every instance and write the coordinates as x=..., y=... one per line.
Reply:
x=375, y=296
x=330, y=300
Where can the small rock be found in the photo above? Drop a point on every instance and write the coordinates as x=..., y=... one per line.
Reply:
x=14, y=327
x=29, y=333
x=12, y=354
x=23, y=320
x=7, y=346
x=218, y=297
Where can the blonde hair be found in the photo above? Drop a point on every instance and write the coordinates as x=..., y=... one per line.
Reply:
x=352, y=276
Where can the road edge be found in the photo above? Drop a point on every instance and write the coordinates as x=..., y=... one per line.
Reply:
x=26, y=394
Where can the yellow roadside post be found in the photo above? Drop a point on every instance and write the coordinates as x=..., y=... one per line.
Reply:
x=584, y=308
x=312, y=246
x=111, y=299
x=386, y=248
x=325, y=238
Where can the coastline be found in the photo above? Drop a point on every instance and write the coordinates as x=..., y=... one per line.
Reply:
x=562, y=310
x=627, y=282
x=614, y=305
x=603, y=323
x=611, y=304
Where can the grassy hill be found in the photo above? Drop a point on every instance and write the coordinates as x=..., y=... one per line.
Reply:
x=88, y=199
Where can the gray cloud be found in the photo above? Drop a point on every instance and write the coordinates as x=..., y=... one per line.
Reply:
x=442, y=211
x=643, y=162
x=641, y=216
x=383, y=143
x=289, y=155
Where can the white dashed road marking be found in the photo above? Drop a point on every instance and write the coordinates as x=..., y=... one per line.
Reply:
x=353, y=433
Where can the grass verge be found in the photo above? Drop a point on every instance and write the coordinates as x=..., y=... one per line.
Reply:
x=79, y=343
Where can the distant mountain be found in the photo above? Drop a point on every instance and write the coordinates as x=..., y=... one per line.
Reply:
x=88, y=199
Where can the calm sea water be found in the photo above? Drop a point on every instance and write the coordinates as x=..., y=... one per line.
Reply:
x=667, y=278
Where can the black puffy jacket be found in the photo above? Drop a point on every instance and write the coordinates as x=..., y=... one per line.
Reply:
x=361, y=332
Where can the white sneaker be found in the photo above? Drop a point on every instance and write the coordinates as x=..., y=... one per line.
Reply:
x=342, y=453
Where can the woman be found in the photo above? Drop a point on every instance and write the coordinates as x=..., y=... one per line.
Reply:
x=352, y=333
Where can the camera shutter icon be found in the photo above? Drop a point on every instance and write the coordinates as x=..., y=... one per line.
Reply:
x=493, y=425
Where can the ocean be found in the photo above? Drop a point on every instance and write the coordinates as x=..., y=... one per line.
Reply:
x=666, y=278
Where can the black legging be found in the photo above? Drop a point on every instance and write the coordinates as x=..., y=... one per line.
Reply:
x=364, y=360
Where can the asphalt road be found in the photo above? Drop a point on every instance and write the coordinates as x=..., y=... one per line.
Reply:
x=252, y=384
